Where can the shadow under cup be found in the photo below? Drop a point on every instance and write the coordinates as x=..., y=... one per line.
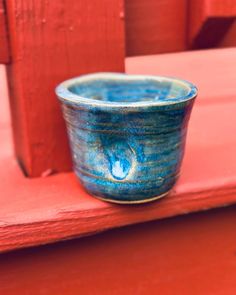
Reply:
x=127, y=133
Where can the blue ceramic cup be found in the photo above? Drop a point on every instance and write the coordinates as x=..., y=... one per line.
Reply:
x=127, y=133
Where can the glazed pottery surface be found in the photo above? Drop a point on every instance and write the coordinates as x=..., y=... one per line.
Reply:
x=127, y=133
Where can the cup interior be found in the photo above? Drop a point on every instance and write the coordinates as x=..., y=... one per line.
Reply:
x=131, y=90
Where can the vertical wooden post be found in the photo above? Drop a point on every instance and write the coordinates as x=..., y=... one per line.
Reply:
x=51, y=41
x=4, y=52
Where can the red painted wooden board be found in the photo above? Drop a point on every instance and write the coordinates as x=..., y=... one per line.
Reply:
x=4, y=52
x=209, y=21
x=229, y=39
x=43, y=210
x=52, y=41
x=155, y=26
x=188, y=255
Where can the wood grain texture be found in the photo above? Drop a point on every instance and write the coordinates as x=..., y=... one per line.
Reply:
x=44, y=210
x=155, y=26
x=52, y=41
x=209, y=22
x=192, y=254
x=4, y=51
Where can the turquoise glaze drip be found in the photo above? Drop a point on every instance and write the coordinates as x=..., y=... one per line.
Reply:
x=123, y=151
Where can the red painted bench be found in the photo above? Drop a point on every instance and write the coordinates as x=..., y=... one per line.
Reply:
x=42, y=43
x=193, y=255
x=59, y=208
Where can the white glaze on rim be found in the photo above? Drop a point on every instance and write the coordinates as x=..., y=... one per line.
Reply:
x=64, y=94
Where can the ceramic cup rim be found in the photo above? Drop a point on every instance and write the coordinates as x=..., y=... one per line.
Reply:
x=68, y=97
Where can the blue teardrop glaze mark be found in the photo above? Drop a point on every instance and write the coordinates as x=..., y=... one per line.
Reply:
x=119, y=155
x=120, y=168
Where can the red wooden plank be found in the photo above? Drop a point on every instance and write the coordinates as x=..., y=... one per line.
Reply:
x=52, y=41
x=4, y=103
x=4, y=52
x=58, y=208
x=229, y=39
x=213, y=71
x=221, y=8
x=209, y=21
x=194, y=254
x=155, y=26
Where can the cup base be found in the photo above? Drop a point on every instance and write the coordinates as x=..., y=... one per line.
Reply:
x=132, y=202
